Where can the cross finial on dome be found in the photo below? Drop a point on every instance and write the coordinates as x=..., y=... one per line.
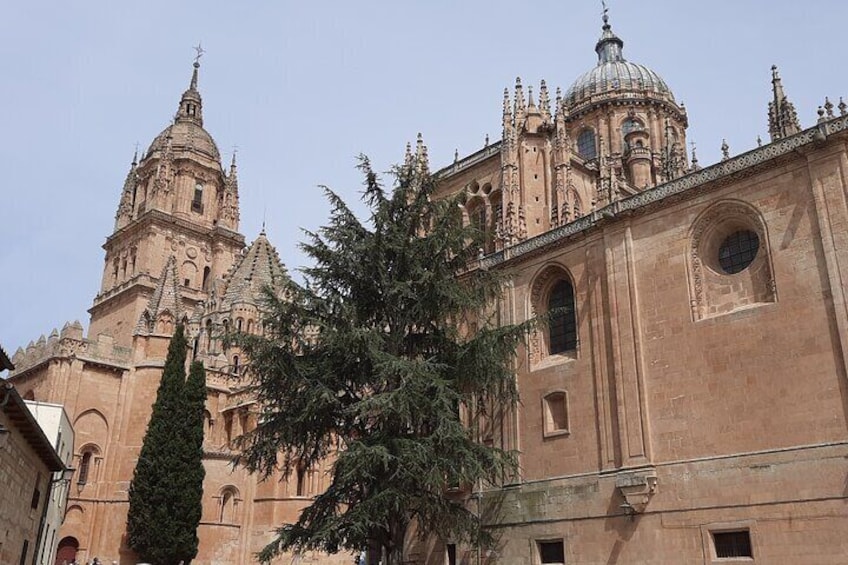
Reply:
x=199, y=50
x=609, y=45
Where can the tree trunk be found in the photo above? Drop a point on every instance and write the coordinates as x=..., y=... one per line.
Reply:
x=394, y=552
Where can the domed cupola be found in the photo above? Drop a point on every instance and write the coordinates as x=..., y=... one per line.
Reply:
x=186, y=134
x=614, y=77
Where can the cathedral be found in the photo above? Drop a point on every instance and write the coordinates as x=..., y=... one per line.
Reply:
x=691, y=406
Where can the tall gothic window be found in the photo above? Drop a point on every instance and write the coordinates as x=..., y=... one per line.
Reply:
x=562, y=329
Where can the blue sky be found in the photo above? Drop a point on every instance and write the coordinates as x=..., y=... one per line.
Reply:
x=302, y=88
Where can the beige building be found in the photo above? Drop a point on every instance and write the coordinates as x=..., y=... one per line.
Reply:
x=29, y=464
x=54, y=422
x=690, y=407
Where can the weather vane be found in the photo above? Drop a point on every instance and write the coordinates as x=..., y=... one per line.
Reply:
x=606, y=9
x=200, y=53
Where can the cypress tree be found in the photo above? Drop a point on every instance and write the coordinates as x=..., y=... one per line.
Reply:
x=165, y=493
x=383, y=361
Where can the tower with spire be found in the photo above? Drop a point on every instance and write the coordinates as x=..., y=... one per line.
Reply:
x=178, y=204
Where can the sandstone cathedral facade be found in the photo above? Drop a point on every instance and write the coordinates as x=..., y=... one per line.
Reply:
x=690, y=407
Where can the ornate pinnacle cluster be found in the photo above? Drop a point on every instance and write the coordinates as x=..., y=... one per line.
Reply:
x=418, y=161
x=783, y=120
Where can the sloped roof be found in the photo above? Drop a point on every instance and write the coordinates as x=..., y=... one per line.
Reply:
x=258, y=267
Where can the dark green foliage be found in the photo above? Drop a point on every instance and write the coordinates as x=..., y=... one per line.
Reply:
x=372, y=363
x=167, y=487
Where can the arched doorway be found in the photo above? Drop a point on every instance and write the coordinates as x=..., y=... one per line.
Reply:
x=67, y=551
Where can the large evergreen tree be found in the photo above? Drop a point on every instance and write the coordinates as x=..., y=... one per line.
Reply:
x=379, y=362
x=166, y=490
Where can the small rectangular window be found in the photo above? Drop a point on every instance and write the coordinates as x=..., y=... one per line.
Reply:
x=36, y=492
x=551, y=552
x=733, y=544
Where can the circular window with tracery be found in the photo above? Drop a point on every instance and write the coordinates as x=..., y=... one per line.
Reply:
x=738, y=250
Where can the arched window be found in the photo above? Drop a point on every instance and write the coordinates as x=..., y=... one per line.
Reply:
x=239, y=324
x=197, y=201
x=228, y=510
x=301, y=480
x=85, y=472
x=562, y=328
x=207, y=424
x=205, y=285
x=228, y=426
x=250, y=326
x=209, y=336
x=586, y=144
x=235, y=365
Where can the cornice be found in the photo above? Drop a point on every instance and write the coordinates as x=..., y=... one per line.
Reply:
x=709, y=178
x=160, y=218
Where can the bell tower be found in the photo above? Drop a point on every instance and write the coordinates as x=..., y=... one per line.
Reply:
x=177, y=201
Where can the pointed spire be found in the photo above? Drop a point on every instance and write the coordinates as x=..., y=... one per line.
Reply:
x=257, y=267
x=507, y=110
x=783, y=121
x=228, y=212
x=520, y=107
x=828, y=106
x=165, y=304
x=191, y=104
x=422, y=160
x=725, y=150
x=125, y=207
x=842, y=107
x=407, y=155
x=544, y=101
x=694, y=166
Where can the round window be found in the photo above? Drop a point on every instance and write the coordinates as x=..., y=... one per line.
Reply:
x=738, y=250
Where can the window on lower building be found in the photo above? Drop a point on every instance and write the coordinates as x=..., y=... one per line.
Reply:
x=36, y=492
x=552, y=552
x=24, y=552
x=733, y=544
